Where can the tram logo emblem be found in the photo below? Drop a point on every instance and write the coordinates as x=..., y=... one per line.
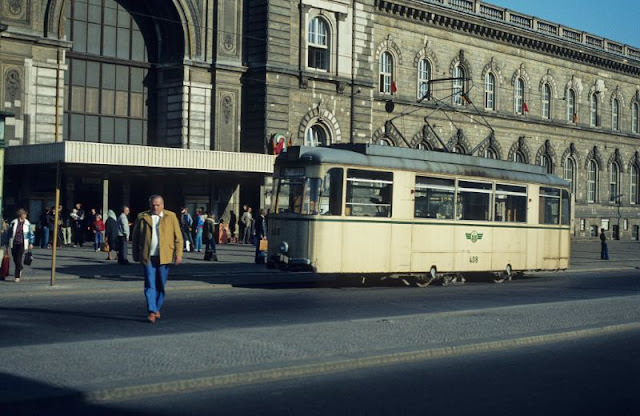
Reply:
x=474, y=236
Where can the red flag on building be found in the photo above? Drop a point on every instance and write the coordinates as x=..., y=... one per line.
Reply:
x=525, y=107
x=394, y=87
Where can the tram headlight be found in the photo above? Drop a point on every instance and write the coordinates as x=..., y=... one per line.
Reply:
x=284, y=247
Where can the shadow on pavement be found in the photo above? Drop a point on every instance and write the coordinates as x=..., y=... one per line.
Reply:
x=21, y=396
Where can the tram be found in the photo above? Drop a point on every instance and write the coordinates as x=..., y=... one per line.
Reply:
x=368, y=210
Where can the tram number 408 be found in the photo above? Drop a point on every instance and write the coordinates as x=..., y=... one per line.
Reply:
x=473, y=259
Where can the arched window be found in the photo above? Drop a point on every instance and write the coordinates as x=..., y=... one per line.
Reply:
x=635, y=128
x=570, y=172
x=490, y=92
x=594, y=107
x=572, y=113
x=490, y=153
x=424, y=75
x=458, y=148
x=108, y=65
x=592, y=181
x=545, y=162
x=546, y=102
x=458, y=84
x=316, y=135
x=519, y=102
x=386, y=72
x=318, y=44
x=615, y=111
x=634, y=179
x=384, y=141
x=424, y=145
x=614, y=181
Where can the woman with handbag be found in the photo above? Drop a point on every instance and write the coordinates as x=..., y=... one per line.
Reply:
x=20, y=236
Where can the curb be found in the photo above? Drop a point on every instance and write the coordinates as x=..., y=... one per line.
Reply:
x=312, y=370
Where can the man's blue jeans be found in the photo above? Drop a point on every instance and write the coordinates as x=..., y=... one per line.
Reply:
x=155, y=279
x=198, y=243
x=44, y=242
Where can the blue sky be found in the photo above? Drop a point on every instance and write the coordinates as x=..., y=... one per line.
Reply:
x=613, y=19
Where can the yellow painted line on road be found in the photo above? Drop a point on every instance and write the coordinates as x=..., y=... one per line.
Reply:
x=312, y=370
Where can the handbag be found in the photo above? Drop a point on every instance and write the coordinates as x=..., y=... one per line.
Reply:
x=28, y=258
x=105, y=247
x=263, y=245
x=4, y=269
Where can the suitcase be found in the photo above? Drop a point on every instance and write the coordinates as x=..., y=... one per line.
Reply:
x=210, y=256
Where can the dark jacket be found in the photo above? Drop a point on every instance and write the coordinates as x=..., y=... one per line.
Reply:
x=111, y=232
x=260, y=227
x=603, y=238
x=209, y=232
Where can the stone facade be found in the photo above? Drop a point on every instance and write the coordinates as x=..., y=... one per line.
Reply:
x=231, y=75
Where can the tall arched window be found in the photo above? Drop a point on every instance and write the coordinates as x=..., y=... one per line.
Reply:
x=490, y=92
x=594, y=108
x=519, y=101
x=108, y=64
x=316, y=135
x=546, y=102
x=545, y=162
x=614, y=181
x=570, y=172
x=458, y=84
x=386, y=72
x=615, y=115
x=424, y=75
x=634, y=178
x=635, y=128
x=592, y=181
x=572, y=113
x=318, y=44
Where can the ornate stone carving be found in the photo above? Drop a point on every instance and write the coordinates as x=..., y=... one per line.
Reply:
x=227, y=108
x=228, y=42
x=12, y=85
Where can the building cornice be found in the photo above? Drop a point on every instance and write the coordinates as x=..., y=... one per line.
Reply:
x=478, y=25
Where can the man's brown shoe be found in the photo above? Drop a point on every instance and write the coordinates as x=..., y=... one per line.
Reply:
x=151, y=318
x=157, y=314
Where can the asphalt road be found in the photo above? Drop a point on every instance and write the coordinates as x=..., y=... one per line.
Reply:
x=327, y=348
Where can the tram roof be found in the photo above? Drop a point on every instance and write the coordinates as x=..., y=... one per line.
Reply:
x=387, y=157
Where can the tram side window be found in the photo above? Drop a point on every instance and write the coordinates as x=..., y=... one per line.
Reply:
x=434, y=198
x=511, y=203
x=549, y=206
x=331, y=193
x=474, y=201
x=566, y=208
x=369, y=193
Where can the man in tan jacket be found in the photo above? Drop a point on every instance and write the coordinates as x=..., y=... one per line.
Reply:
x=156, y=244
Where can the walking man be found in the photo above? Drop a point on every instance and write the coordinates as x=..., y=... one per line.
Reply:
x=156, y=244
x=123, y=236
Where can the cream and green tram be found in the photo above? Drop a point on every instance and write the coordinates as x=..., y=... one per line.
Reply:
x=377, y=210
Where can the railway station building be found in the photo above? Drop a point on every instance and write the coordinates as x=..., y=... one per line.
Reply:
x=190, y=98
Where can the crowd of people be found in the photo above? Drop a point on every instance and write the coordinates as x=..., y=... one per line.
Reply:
x=111, y=234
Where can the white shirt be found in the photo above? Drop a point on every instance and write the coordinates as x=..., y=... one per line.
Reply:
x=154, y=248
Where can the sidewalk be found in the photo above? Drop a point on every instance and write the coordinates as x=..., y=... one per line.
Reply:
x=84, y=269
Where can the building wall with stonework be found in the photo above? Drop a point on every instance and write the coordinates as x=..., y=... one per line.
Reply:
x=344, y=99
x=232, y=76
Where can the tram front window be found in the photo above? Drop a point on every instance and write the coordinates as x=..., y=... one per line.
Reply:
x=310, y=196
